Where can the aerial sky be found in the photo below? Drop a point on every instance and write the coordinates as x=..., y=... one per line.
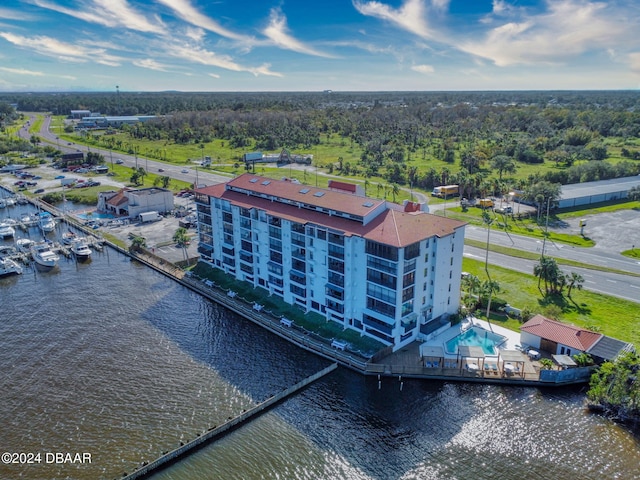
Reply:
x=307, y=45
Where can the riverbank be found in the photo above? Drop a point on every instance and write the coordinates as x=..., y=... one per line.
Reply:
x=409, y=362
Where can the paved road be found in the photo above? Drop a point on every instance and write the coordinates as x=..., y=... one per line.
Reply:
x=612, y=232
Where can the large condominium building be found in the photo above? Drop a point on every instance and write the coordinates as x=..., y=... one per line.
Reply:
x=389, y=271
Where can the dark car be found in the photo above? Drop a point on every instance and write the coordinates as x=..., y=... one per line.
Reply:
x=161, y=169
x=40, y=190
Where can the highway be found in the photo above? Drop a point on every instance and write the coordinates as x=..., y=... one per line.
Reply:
x=612, y=232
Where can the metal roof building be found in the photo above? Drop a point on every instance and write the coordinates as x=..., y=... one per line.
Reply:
x=587, y=193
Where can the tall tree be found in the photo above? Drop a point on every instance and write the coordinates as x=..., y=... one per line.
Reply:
x=503, y=164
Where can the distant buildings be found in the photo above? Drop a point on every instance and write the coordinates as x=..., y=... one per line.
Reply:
x=106, y=122
x=587, y=193
x=133, y=202
x=388, y=271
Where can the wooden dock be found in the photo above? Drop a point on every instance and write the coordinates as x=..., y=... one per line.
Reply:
x=216, y=432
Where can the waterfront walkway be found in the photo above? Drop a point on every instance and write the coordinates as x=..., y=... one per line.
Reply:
x=510, y=367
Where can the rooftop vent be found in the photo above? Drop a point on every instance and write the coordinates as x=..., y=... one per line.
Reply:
x=318, y=194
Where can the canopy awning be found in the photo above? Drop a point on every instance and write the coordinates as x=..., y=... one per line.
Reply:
x=471, y=351
x=564, y=361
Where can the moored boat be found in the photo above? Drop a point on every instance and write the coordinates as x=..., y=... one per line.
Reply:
x=68, y=237
x=9, y=267
x=47, y=222
x=24, y=245
x=80, y=248
x=6, y=230
x=43, y=255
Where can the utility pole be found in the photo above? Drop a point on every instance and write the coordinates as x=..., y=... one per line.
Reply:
x=546, y=228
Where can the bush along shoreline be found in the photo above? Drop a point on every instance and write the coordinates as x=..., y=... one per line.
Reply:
x=615, y=390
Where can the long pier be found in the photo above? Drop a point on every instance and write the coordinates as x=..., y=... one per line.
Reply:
x=216, y=432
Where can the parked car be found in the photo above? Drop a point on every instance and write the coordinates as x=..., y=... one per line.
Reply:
x=59, y=177
x=504, y=210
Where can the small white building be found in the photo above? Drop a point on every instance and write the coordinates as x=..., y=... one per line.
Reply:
x=133, y=202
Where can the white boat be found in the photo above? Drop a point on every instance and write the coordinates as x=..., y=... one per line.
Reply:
x=10, y=201
x=24, y=245
x=6, y=230
x=47, y=222
x=9, y=267
x=43, y=255
x=3, y=203
x=68, y=237
x=80, y=248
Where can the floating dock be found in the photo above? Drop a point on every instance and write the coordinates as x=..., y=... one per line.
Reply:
x=216, y=432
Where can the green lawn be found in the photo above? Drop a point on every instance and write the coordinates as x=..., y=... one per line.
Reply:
x=612, y=316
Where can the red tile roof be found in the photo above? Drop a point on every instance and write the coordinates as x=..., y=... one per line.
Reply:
x=119, y=198
x=569, y=335
x=329, y=199
x=390, y=227
x=347, y=187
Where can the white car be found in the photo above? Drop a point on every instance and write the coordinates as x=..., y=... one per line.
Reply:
x=184, y=170
x=119, y=161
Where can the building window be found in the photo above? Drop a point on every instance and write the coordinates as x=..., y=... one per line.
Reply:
x=382, y=251
x=412, y=251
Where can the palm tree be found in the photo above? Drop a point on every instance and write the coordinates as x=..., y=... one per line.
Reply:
x=547, y=269
x=395, y=190
x=181, y=237
x=137, y=243
x=488, y=288
x=574, y=280
x=471, y=285
x=503, y=164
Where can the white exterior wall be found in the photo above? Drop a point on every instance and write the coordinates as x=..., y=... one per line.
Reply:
x=160, y=201
x=436, y=282
x=529, y=339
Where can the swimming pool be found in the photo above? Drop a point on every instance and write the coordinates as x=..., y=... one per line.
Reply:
x=95, y=216
x=475, y=337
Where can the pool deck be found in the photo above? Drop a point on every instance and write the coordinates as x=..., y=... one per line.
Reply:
x=409, y=363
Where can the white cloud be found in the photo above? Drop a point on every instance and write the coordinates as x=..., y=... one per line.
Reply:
x=8, y=14
x=277, y=32
x=150, y=64
x=24, y=71
x=568, y=28
x=426, y=69
x=213, y=75
x=634, y=61
x=188, y=13
x=111, y=13
x=206, y=57
x=440, y=4
x=411, y=16
x=53, y=47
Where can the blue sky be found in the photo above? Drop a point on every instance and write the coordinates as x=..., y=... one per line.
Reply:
x=306, y=45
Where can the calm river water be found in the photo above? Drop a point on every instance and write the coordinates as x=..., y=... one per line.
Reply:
x=112, y=359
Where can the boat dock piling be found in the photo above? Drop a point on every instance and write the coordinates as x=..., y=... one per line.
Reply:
x=218, y=431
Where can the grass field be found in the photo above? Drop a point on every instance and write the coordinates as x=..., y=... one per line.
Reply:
x=612, y=316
